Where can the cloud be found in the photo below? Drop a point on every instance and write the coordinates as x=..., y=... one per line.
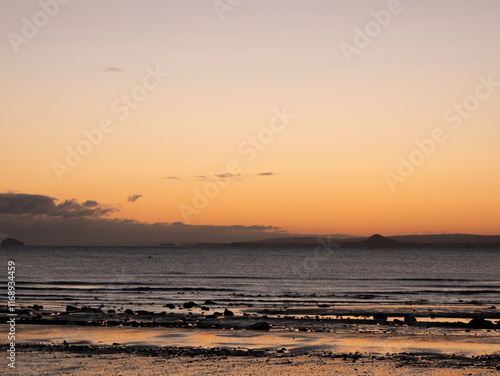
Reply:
x=222, y=176
x=219, y=177
x=39, y=219
x=40, y=205
x=90, y=204
x=227, y=176
x=111, y=69
x=133, y=198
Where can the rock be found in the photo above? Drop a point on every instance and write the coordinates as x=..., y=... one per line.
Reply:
x=190, y=305
x=142, y=312
x=71, y=308
x=169, y=306
x=492, y=307
x=410, y=319
x=480, y=323
x=209, y=302
x=129, y=312
x=261, y=325
x=111, y=311
x=90, y=310
x=203, y=308
x=37, y=307
x=228, y=312
x=9, y=242
x=380, y=317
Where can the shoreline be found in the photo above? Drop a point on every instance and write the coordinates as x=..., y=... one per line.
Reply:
x=52, y=360
x=368, y=336
x=222, y=316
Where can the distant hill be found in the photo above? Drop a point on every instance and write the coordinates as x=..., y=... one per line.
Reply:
x=447, y=238
x=306, y=241
x=403, y=241
x=378, y=241
x=9, y=242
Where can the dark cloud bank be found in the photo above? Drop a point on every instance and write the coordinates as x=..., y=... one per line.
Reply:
x=43, y=220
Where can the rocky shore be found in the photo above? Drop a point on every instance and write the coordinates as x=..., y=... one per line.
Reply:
x=375, y=339
x=140, y=360
x=321, y=318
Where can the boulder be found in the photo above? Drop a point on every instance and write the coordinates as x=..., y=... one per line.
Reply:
x=261, y=325
x=71, y=308
x=169, y=306
x=410, y=319
x=91, y=310
x=228, y=312
x=190, y=305
x=380, y=317
x=480, y=323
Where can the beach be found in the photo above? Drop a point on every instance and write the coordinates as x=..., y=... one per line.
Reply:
x=189, y=341
x=53, y=362
x=195, y=311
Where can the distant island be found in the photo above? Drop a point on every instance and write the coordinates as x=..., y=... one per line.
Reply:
x=379, y=241
x=9, y=242
x=374, y=241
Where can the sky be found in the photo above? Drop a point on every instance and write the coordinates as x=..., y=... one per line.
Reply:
x=224, y=120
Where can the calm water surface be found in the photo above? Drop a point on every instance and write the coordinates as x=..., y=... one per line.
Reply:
x=262, y=277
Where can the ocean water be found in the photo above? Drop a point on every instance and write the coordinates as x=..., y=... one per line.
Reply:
x=261, y=277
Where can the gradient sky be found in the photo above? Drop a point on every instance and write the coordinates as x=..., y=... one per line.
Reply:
x=324, y=173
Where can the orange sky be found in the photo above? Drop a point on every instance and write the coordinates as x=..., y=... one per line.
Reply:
x=326, y=169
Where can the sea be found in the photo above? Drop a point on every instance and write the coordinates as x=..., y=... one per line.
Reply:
x=250, y=276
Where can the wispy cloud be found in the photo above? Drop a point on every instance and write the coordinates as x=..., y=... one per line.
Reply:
x=218, y=177
x=221, y=176
x=133, y=198
x=110, y=69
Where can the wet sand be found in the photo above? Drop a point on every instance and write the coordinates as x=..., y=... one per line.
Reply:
x=356, y=340
x=348, y=341
x=83, y=360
